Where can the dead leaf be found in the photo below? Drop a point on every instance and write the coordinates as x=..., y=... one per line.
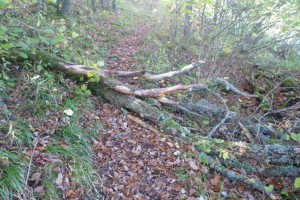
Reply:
x=170, y=144
x=137, y=150
x=71, y=194
x=39, y=189
x=36, y=176
x=193, y=165
x=216, y=180
x=59, y=179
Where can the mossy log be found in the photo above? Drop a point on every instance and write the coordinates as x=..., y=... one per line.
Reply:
x=275, y=154
x=272, y=153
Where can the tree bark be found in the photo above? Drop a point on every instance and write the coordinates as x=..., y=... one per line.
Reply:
x=273, y=154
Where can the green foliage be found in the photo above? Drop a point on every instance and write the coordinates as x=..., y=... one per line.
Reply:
x=205, y=122
x=284, y=193
x=293, y=136
x=269, y=188
x=224, y=154
x=4, y=4
x=12, y=179
x=18, y=133
x=5, y=78
x=297, y=182
x=182, y=175
x=51, y=192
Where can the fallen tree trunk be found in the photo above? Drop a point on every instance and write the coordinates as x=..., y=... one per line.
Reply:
x=273, y=154
x=276, y=154
x=254, y=183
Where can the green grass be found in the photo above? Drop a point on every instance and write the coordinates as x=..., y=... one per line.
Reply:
x=12, y=174
x=50, y=192
x=182, y=175
x=23, y=135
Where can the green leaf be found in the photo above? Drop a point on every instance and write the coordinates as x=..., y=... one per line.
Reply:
x=203, y=147
x=87, y=92
x=224, y=154
x=287, y=137
x=32, y=40
x=4, y=4
x=265, y=106
x=39, y=68
x=100, y=63
x=23, y=55
x=269, y=188
x=205, y=122
x=83, y=87
x=58, y=39
x=297, y=182
x=74, y=35
x=284, y=193
x=295, y=137
x=18, y=30
x=252, y=180
x=10, y=84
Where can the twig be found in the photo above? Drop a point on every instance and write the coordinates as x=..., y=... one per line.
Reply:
x=246, y=132
x=229, y=114
x=29, y=166
x=214, y=164
x=232, y=88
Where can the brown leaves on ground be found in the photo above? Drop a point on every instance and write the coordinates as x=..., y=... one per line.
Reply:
x=121, y=57
x=137, y=164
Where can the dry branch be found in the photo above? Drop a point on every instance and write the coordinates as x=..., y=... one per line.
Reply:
x=276, y=154
x=232, y=88
x=153, y=93
x=214, y=164
x=146, y=74
x=171, y=74
x=108, y=73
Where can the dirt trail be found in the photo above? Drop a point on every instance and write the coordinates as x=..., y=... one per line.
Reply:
x=121, y=57
x=133, y=162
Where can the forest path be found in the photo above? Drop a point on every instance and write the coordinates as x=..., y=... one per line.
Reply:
x=121, y=56
x=134, y=162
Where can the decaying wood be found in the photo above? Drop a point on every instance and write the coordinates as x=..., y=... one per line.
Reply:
x=278, y=171
x=143, y=124
x=113, y=91
x=214, y=164
x=230, y=87
x=171, y=74
x=272, y=153
x=204, y=110
x=109, y=73
x=154, y=93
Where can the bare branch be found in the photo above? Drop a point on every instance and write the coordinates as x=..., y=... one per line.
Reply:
x=233, y=88
x=154, y=93
x=158, y=77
